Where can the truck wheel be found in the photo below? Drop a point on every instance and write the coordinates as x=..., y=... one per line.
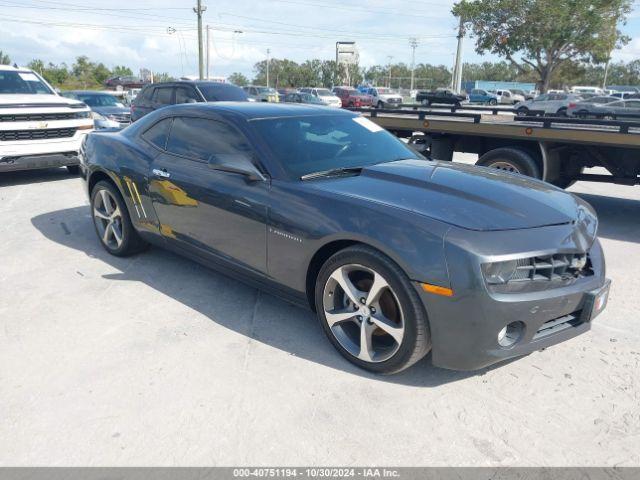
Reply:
x=511, y=160
x=493, y=102
x=522, y=112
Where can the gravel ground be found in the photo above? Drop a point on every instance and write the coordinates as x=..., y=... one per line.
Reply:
x=155, y=360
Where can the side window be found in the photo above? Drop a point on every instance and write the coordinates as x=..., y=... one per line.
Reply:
x=162, y=95
x=199, y=138
x=158, y=133
x=185, y=95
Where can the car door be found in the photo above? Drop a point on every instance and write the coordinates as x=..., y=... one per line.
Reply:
x=209, y=211
x=631, y=107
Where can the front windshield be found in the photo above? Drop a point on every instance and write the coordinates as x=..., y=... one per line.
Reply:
x=383, y=91
x=323, y=92
x=311, y=144
x=100, y=100
x=307, y=97
x=16, y=82
x=266, y=90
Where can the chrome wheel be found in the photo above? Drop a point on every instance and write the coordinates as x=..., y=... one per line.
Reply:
x=108, y=219
x=505, y=166
x=363, y=313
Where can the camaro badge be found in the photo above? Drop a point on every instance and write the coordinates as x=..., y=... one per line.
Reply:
x=285, y=235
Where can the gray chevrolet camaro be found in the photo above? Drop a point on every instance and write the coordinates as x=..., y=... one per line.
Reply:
x=397, y=254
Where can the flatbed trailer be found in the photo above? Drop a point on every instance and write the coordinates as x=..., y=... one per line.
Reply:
x=554, y=149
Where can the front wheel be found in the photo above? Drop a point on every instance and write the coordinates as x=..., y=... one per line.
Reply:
x=493, y=102
x=370, y=312
x=380, y=105
x=112, y=222
x=522, y=112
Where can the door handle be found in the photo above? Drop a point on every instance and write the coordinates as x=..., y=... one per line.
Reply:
x=161, y=173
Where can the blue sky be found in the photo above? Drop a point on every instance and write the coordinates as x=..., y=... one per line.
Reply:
x=136, y=33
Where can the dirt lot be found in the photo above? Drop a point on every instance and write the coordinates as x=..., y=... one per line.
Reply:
x=155, y=360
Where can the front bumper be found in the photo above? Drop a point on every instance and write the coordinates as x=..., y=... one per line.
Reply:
x=34, y=154
x=465, y=327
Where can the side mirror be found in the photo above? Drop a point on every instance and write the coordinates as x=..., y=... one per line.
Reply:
x=236, y=163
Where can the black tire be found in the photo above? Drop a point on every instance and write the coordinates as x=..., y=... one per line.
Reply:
x=511, y=159
x=562, y=112
x=380, y=105
x=426, y=103
x=416, y=339
x=493, y=102
x=73, y=169
x=522, y=112
x=131, y=242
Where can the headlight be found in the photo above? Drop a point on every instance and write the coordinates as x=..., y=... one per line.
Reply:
x=86, y=114
x=112, y=117
x=497, y=273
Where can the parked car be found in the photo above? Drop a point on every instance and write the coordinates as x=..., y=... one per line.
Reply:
x=159, y=95
x=261, y=94
x=350, y=97
x=382, y=97
x=303, y=97
x=283, y=92
x=441, y=96
x=38, y=127
x=324, y=95
x=583, y=108
x=549, y=103
x=593, y=90
x=625, y=95
x=620, y=109
x=507, y=97
x=105, y=105
x=332, y=211
x=479, y=95
x=126, y=82
x=525, y=95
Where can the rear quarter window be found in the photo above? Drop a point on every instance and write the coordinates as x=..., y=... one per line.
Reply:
x=158, y=133
x=163, y=95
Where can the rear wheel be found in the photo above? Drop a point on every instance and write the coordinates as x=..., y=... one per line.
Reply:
x=112, y=222
x=511, y=160
x=426, y=102
x=493, y=101
x=562, y=112
x=370, y=311
x=522, y=111
x=380, y=105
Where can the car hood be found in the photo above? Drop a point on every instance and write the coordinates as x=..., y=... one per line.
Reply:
x=111, y=110
x=466, y=196
x=35, y=100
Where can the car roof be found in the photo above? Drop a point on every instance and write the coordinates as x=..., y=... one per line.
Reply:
x=15, y=69
x=254, y=110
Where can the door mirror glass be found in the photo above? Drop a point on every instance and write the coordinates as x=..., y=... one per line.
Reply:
x=236, y=163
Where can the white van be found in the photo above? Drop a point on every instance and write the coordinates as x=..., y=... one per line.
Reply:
x=593, y=90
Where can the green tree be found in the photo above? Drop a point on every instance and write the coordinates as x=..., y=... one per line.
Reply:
x=121, y=71
x=545, y=34
x=4, y=58
x=162, y=77
x=238, y=79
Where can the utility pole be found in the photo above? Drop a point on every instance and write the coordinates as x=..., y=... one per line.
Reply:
x=199, y=10
x=457, y=73
x=268, y=52
x=606, y=74
x=413, y=43
x=389, y=58
x=207, y=52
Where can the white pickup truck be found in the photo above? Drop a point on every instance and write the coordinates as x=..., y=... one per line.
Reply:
x=38, y=128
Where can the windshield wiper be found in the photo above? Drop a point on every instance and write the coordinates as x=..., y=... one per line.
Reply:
x=331, y=172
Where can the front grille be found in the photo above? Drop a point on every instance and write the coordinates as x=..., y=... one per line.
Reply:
x=122, y=117
x=38, y=117
x=561, y=266
x=558, y=325
x=41, y=134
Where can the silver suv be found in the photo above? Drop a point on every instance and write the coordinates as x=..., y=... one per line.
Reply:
x=549, y=103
